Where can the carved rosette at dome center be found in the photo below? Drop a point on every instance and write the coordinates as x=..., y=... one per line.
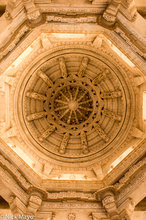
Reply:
x=71, y=107
x=74, y=105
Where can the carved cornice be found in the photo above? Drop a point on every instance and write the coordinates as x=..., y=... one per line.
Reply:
x=126, y=38
x=70, y=19
x=134, y=184
x=70, y=15
x=133, y=34
x=70, y=185
x=128, y=175
x=13, y=185
x=20, y=171
x=13, y=43
x=126, y=45
x=138, y=152
x=71, y=195
x=14, y=172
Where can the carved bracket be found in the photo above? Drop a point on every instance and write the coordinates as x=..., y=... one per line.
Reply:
x=107, y=196
x=110, y=14
x=35, y=200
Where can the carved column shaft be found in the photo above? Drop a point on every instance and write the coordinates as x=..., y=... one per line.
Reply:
x=17, y=206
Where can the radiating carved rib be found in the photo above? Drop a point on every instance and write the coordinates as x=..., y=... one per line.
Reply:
x=111, y=95
x=64, y=143
x=47, y=133
x=76, y=93
x=85, y=102
x=69, y=118
x=64, y=113
x=81, y=114
x=76, y=117
x=35, y=95
x=84, y=142
x=45, y=78
x=68, y=88
x=86, y=109
x=82, y=96
x=83, y=66
x=100, y=77
x=62, y=67
x=64, y=96
x=101, y=133
x=60, y=108
x=35, y=116
x=61, y=101
x=111, y=115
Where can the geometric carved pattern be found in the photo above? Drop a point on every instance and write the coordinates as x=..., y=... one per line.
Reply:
x=69, y=109
x=72, y=108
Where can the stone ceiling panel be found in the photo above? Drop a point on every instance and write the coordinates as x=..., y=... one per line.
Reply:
x=76, y=104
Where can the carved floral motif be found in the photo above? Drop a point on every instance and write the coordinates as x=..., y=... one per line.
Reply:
x=71, y=216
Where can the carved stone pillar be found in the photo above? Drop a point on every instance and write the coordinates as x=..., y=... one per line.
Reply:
x=107, y=197
x=35, y=200
x=12, y=8
x=131, y=8
x=127, y=209
x=17, y=206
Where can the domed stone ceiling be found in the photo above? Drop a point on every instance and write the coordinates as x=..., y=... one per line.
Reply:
x=74, y=105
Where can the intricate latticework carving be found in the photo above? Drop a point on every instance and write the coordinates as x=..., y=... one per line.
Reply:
x=70, y=105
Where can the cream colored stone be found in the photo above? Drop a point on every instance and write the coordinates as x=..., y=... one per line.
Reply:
x=72, y=78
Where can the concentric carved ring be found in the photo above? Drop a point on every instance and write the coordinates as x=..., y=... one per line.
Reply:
x=73, y=105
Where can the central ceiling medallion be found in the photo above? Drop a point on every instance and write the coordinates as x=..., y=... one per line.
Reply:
x=74, y=106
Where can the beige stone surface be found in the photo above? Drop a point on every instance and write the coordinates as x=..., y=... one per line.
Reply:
x=72, y=120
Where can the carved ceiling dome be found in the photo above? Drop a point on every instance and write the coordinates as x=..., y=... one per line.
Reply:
x=72, y=109
x=74, y=105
